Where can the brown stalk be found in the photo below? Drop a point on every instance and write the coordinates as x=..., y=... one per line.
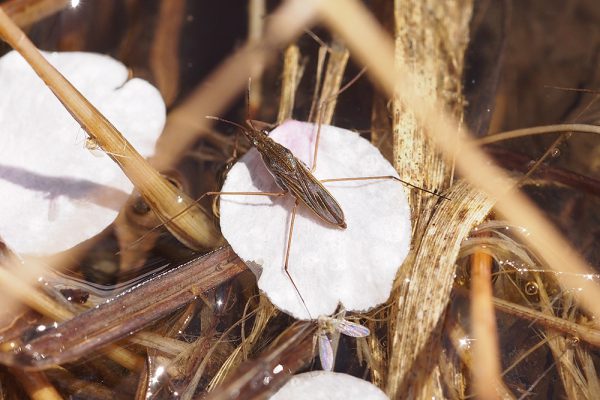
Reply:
x=132, y=310
x=417, y=333
x=37, y=385
x=80, y=388
x=21, y=290
x=520, y=162
x=27, y=12
x=257, y=10
x=164, y=53
x=264, y=312
x=486, y=356
x=457, y=336
x=538, y=130
x=290, y=78
x=261, y=377
x=336, y=66
x=193, y=227
x=588, y=334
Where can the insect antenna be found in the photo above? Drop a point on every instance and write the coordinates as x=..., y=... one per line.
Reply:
x=372, y=178
x=227, y=122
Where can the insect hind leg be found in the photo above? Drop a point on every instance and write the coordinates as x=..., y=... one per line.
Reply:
x=287, y=256
x=145, y=235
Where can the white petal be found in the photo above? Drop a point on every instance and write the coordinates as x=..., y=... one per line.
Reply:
x=355, y=266
x=57, y=193
x=323, y=385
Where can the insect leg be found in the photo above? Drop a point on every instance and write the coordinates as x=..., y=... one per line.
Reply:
x=321, y=114
x=325, y=352
x=287, y=255
x=272, y=194
x=384, y=177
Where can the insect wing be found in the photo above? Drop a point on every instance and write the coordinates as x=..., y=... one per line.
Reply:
x=352, y=329
x=305, y=187
x=292, y=175
x=325, y=352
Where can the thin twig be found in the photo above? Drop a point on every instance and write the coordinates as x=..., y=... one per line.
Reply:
x=486, y=357
x=538, y=130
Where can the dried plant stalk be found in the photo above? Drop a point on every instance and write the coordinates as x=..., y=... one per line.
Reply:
x=132, y=310
x=486, y=356
x=457, y=335
x=37, y=385
x=289, y=82
x=336, y=66
x=79, y=388
x=164, y=54
x=264, y=312
x=27, y=12
x=259, y=378
x=416, y=339
x=23, y=291
x=538, y=130
x=381, y=127
x=585, y=333
x=256, y=26
x=193, y=227
x=430, y=40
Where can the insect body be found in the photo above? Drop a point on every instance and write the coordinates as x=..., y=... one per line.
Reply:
x=293, y=177
x=329, y=326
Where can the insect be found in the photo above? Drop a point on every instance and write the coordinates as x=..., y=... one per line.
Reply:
x=274, y=168
x=329, y=326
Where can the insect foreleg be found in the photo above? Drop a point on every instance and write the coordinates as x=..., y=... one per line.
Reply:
x=272, y=194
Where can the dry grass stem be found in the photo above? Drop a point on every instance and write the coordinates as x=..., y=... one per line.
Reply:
x=290, y=78
x=37, y=385
x=586, y=333
x=486, y=356
x=257, y=11
x=45, y=305
x=134, y=309
x=164, y=53
x=263, y=313
x=292, y=350
x=27, y=12
x=538, y=130
x=336, y=66
x=161, y=343
x=457, y=337
x=429, y=275
x=80, y=388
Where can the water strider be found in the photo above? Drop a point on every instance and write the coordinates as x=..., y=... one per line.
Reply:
x=292, y=176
